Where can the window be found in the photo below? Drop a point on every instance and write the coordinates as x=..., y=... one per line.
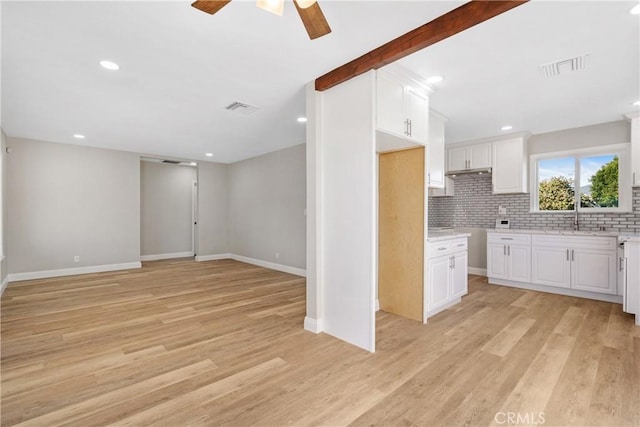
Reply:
x=589, y=179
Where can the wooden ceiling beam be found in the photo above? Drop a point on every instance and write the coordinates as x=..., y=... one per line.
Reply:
x=453, y=22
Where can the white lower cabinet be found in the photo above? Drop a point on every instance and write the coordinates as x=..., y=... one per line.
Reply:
x=509, y=257
x=573, y=262
x=576, y=262
x=447, y=279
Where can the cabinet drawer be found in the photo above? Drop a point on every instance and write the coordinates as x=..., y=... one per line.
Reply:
x=588, y=242
x=446, y=247
x=509, y=238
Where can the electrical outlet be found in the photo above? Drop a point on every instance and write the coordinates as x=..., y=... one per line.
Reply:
x=277, y=255
x=76, y=258
x=502, y=210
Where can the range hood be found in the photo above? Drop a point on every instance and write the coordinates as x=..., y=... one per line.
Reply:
x=479, y=171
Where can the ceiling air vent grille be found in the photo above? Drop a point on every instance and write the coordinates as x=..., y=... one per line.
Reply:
x=565, y=66
x=242, y=108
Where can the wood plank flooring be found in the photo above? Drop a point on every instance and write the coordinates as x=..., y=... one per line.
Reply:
x=180, y=343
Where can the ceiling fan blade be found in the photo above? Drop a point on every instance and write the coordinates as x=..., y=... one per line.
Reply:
x=314, y=21
x=210, y=6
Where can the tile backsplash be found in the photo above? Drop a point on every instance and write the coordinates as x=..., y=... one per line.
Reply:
x=473, y=205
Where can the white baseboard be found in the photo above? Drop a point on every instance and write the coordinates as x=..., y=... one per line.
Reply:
x=271, y=265
x=31, y=275
x=4, y=284
x=477, y=271
x=313, y=325
x=254, y=261
x=617, y=299
x=165, y=256
x=216, y=257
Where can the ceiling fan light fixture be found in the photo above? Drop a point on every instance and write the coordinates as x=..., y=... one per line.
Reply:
x=305, y=3
x=274, y=6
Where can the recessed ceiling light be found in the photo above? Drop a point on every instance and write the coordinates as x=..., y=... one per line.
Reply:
x=435, y=79
x=109, y=65
x=209, y=154
x=636, y=104
x=193, y=164
x=78, y=136
x=635, y=10
x=302, y=120
x=507, y=127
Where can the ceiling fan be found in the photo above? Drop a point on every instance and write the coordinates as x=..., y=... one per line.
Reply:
x=309, y=10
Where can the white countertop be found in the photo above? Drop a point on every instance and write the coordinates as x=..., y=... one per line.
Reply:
x=629, y=237
x=560, y=232
x=434, y=236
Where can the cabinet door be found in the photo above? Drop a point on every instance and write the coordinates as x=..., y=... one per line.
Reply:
x=459, y=275
x=551, y=266
x=439, y=277
x=479, y=155
x=509, y=165
x=497, y=261
x=519, y=263
x=457, y=159
x=390, y=115
x=435, y=152
x=594, y=271
x=417, y=107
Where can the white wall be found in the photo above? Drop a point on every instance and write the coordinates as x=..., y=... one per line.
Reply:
x=266, y=207
x=166, y=222
x=582, y=137
x=212, y=209
x=3, y=211
x=67, y=200
x=343, y=164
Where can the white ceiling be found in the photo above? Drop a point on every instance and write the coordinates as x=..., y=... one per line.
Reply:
x=180, y=68
x=492, y=75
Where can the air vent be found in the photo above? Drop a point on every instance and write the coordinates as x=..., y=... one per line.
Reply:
x=565, y=66
x=241, y=108
x=171, y=162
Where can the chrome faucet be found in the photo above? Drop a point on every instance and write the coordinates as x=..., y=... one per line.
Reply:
x=576, y=224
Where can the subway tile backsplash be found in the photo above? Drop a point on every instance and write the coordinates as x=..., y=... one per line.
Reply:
x=473, y=205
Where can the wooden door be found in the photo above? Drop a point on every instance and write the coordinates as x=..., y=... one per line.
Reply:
x=401, y=233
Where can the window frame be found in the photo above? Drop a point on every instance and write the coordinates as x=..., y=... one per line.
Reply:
x=624, y=186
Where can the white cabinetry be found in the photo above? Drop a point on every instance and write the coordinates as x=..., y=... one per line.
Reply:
x=634, y=118
x=631, y=281
x=447, y=280
x=576, y=262
x=435, y=151
x=509, y=256
x=509, y=174
x=402, y=109
x=475, y=156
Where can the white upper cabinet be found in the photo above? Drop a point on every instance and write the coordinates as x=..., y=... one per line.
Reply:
x=402, y=108
x=635, y=148
x=390, y=108
x=510, y=169
x=435, y=151
x=475, y=156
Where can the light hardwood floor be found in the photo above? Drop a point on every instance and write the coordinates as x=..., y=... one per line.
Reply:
x=180, y=343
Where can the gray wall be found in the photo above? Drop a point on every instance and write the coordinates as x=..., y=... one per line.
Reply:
x=166, y=208
x=212, y=209
x=71, y=201
x=267, y=198
x=583, y=137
